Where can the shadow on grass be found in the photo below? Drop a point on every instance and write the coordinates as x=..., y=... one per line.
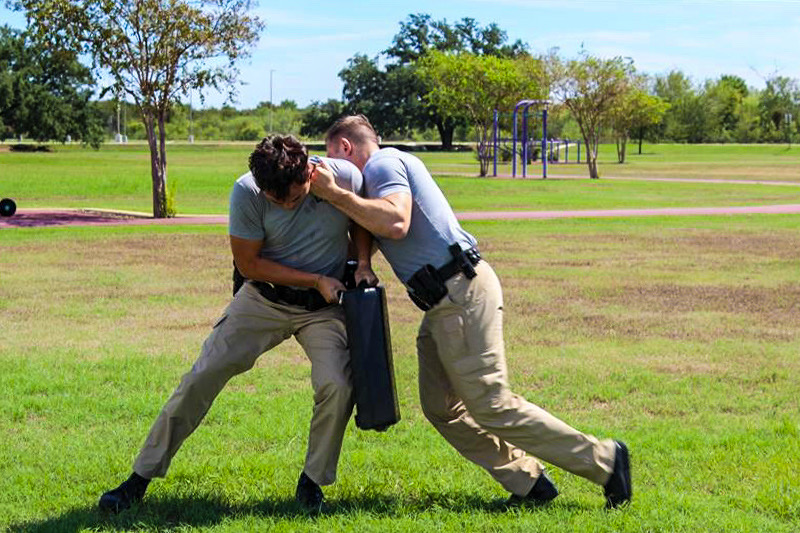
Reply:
x=166, y=513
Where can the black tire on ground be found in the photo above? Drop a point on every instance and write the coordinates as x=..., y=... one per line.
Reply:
x=7, y=207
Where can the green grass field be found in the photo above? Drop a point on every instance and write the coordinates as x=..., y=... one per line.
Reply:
x=679, y=335
x=118, y=177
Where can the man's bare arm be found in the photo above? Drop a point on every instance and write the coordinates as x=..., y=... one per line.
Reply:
x=387, y=217
x=362, y=239
x=252, y=266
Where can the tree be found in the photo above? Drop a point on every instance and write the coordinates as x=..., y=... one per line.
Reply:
x=779, y=101
x=472, y=87
x=634, y=112
x=154, y=50
x=45, y=95
x=389, y=97
x=393, y=97
x=321, y=116
x=591, y=88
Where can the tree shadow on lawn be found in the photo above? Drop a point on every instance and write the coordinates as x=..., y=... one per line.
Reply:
x=166, y=513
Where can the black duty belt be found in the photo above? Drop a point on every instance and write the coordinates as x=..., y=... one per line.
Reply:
x=457, y=266
x=308, y=299
x=427, y=287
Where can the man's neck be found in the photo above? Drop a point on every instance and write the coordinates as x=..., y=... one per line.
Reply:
x=366, y=153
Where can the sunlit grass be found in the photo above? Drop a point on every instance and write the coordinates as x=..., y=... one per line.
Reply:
x=678, y=335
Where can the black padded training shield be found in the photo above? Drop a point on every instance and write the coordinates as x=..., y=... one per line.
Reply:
x=371, y=358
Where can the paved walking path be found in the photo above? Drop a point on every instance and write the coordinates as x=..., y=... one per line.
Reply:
x=97, y=217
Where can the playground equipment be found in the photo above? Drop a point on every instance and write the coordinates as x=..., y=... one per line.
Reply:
x=524, y=144
x=7, y=207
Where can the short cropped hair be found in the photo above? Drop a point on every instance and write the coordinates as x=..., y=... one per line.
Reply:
x=355, y=127
x=277, y=163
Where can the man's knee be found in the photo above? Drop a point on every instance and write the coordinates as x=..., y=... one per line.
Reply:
x=437, y=409
x=487, y=405
x=336, y=390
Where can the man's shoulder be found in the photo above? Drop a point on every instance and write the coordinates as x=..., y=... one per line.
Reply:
x=345, y=173
x=246, y=193
x=385, y=159
x=246, y=183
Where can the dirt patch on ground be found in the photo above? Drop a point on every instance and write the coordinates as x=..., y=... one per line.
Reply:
x=34, y=219
x=784, y=300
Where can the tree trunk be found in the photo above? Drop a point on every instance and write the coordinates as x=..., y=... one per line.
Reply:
x=156, y=167
x=162, y=149
x=591, y=157
x=622, y=143
x=483, y=152
x=446, y=129
x=641, y=136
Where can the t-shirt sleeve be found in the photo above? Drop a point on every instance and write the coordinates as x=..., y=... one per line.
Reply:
x=347, y=175
x=388, y=175
x=245, y=216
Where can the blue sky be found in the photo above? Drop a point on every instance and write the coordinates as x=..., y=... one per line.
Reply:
x=306, y=44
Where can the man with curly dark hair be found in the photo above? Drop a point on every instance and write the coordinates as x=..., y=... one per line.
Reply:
x=291, y=247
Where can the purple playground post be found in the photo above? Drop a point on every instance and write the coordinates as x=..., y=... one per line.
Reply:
x=494, y=144
x=525, y=141
x=544, y=142
x=526, y=104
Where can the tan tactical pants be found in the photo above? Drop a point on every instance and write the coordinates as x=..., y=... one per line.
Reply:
x=250, y=326
x=464, y=391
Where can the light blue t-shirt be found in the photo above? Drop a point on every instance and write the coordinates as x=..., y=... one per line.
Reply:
x=312, y=237
x=433, y=224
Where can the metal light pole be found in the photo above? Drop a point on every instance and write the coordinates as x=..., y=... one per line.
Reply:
x=270, y=99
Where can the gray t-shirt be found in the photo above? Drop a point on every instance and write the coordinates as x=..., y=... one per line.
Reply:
x=312, y=237
x=433, y=224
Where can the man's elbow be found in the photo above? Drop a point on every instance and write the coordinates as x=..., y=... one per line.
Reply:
x=245, y=268
x=397, y=231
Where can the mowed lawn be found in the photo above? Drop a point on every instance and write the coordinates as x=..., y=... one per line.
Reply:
x=678, y=335
x=118, y=177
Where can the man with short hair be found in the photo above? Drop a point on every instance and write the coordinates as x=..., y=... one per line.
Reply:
x=292, y=247
x=463, y=379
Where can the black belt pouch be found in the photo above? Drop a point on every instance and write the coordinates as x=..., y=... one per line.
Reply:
x=370, y=345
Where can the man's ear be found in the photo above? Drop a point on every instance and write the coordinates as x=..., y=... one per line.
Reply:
x=347, y=146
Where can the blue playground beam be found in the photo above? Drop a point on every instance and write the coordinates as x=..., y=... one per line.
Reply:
x=525, y=104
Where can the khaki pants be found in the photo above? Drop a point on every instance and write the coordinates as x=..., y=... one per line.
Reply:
x=464, y=391
x=251, y=326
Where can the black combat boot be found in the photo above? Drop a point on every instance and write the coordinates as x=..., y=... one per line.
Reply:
x=543, y=492
x=618, y=488
x=131, y=490
x=308, y=494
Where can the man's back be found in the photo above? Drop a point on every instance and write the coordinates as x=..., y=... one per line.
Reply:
x=433, y=225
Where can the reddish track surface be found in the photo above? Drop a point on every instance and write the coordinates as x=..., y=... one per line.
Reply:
x=29, y=218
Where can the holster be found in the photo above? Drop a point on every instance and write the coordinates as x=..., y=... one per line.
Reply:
x=426, y=287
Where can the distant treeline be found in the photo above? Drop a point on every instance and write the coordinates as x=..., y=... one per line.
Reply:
x=724, y=110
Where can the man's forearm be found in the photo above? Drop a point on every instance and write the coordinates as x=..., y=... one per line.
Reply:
x=261, y=269
x=379, y=216
x=362, y=239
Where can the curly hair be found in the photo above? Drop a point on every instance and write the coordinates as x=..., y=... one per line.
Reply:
x=277, y=163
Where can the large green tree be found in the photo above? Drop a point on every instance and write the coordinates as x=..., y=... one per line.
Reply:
x=590, y=88
x=634, y=112
x=154, y=51
x=394, y=96
x=45, y=94
x=471, y=87
x=319, y=116
x=779, y=105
